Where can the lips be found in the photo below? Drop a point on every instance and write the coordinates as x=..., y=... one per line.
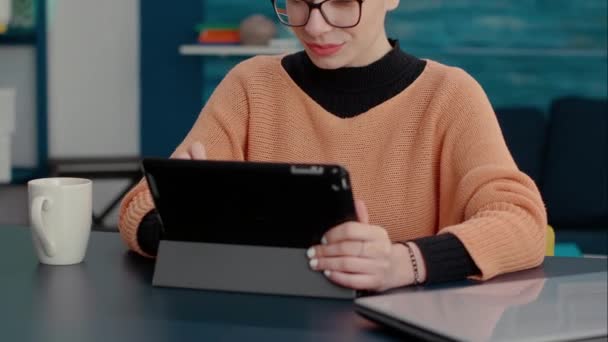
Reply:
x=324, y=50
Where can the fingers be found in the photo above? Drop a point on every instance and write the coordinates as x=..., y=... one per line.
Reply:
x=354, y=231
x=360, y=249
x=196, y=151
x=354, y=273
x=362, y=213
x=349, y=265
x=354, y=281
x=347, y=248
x=182, y=155
x=354, y=254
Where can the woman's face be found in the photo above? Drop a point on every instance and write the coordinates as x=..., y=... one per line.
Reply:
x=331, y=48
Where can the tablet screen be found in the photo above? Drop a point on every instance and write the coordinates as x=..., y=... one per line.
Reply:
x=266, y=204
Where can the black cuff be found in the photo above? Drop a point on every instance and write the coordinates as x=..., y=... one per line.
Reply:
x=446, y=258
x=149, y=233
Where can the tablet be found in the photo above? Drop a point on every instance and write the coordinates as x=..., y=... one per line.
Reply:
x=249, y=203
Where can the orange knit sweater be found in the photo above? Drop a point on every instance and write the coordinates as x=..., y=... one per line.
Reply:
x=430, y=160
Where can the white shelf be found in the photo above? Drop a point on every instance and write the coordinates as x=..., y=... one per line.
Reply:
x=532, y=52
x=252, y=50
x=233, y=50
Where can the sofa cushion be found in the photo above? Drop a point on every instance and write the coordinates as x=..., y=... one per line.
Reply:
x=575, y=179
x=525, y=131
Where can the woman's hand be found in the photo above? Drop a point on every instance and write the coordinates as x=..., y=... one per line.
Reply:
x=361, y=256
x=196, y=151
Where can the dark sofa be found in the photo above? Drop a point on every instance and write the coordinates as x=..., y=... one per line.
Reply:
x=565, y=151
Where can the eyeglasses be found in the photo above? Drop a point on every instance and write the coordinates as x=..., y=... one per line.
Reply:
x=337, y=13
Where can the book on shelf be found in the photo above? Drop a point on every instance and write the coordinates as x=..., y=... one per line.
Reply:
x=217, y=36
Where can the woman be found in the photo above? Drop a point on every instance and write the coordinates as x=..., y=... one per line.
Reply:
x=439, y=197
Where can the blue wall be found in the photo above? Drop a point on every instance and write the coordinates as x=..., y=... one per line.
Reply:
x=169, y=83
x=523, y=52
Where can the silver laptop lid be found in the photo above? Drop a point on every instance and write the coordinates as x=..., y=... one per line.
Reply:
x=564, y=300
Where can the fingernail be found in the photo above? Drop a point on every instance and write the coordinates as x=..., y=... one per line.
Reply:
x=327, y=273
x=324, y=241
x=313, y=263
x=310, y=252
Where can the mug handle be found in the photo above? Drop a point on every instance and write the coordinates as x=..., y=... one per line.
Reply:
x=43, y=234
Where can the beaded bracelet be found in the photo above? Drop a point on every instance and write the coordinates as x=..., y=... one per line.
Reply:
x=414, y=263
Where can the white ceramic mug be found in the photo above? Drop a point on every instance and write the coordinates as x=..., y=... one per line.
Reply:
x=60, y=215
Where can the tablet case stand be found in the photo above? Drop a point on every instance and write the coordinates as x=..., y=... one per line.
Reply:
x=241, y=268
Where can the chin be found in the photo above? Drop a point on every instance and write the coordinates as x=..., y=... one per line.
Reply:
x=327, y=62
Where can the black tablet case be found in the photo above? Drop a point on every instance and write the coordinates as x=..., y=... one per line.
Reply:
x=244, y=226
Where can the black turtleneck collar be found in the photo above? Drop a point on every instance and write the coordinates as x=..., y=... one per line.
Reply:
x=347, y=92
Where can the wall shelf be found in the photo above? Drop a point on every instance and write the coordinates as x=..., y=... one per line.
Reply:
x=525, y=52
x=244, y=50
x=22, y=175
x=233, y=50
x=28, y=38
x=35, y=38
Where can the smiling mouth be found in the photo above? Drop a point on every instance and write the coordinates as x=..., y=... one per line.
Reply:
x=324, y=49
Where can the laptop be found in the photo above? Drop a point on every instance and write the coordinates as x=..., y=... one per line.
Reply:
x=564, y=300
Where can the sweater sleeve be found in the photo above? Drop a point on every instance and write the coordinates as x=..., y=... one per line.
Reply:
x=221, y=127
x=149, y=233
x=445, y=258
x=495, y=210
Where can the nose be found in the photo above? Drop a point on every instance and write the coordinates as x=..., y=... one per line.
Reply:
x=317, y=25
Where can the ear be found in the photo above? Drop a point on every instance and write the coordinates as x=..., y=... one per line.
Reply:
x=391, y=4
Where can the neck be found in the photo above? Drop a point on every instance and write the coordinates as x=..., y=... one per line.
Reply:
x=347, y=92
x=376, y=51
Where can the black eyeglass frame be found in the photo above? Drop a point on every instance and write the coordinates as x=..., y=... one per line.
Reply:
x=312, y=6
